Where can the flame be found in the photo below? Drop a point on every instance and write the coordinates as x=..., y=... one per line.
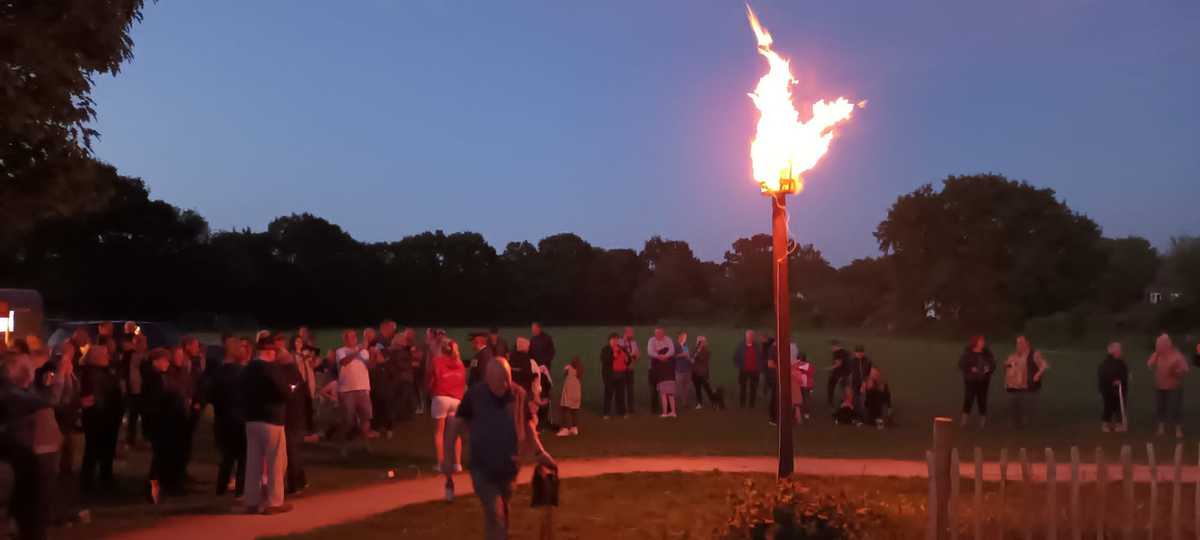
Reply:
x=784, y=147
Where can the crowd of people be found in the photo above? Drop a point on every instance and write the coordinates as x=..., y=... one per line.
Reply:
x=1025, y=372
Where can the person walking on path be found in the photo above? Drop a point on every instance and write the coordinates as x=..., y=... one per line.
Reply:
x=572, y=398
x=1169, y=369
x=700, y=374
x=496, y=414
x=447, y=383
x=1024, y=371
x=746, y=360
x=977, y=365
x=265, y=391
x=1113, y=380
x=683, y=371
x=629, y=343
x=615, y=368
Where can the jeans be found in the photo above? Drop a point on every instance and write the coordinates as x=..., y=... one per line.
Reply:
x=1112, y=407
x=134, y=413
x=1022, y=405
x=232, y=443
x=295, y=479
x=683, y=389
x=614, y=392
x=629, y=380
x=1168, y=406
x=266, y=453
x=99, y=450
x=496, y=498
x=356, y=411
x=700, y=383
x=975, y=393
x=747, y=380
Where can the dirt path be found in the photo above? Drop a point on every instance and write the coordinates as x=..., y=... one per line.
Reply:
x=353, y=504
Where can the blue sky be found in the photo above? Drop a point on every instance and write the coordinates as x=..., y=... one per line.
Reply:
x=619, y=120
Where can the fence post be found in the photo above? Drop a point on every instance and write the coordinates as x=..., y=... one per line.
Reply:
x=1153, y=462
x=1002, y=523
x=943, y=441
x=1177, y=492
x=932, y=506
x=1196, y=496
x=1051, y=495
x=978, y=513
x=1101, y=491
x=955, y=484
x=1026, y=490
x=1127, y=491
x=1076, y=534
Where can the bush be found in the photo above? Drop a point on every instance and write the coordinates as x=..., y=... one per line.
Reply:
x=792, y=512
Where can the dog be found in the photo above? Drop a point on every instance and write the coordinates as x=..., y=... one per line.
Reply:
x=718, y=398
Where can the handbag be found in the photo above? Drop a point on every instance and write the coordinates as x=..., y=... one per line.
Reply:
x=545, y=487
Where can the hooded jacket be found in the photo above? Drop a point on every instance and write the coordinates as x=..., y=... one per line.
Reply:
x=1112, y=370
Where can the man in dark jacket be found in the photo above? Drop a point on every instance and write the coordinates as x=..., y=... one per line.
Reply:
x=229, y=422
x=166, y=424
x=265, y=392
x=295, y=424
x=977, y=365
x=477, y=366
x=497, y=343
x=541, y=347
x=103, y=406
x=1113, y=381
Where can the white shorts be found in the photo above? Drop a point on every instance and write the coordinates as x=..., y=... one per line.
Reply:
x=444, y=406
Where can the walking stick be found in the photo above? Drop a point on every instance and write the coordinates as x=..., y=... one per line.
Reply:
x=1121, y=397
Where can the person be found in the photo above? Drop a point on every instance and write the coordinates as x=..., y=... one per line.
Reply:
x=497, y=416
x=700, y=374
x=1169, y=369
x=629, y=344
x=229, y=419
x=524, y=369
x=1023, y=374
x=353, y=387
x=130, y=358
x=615, y=368
x=265, y=391
x=482, y=355
x=166, y=425
x=1113, y=381
x=860, y=368
x=572, y=398
x=541, y=346
x=977, y=365
x=838, y=370
x=306, y=360
x=746, y=360
x=496, y=343
x=184, y=377
x=447, y=383
x=297, y=404
x=29, y=442
x=103, y=406
x=683, y=370
x=877, y=398
x=771, y=379
x=60, y=387
x=802, y=387
x=846, y=415
x=661, y=350
x=398, y=377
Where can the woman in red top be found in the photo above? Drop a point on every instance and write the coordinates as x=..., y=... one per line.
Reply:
x=447, y=383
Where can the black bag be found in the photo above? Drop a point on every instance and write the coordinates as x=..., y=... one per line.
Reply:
x=545, y=487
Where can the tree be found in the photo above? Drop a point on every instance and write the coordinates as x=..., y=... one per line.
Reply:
x=51, y=50
x=1131, y=265
x=991, y=251
x=748, y=266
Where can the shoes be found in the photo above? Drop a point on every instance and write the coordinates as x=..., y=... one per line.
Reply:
x=574, y=431
x=153, y=493
x=388, y=435
x=606, y=417
x=772, y=422
x=663, y=415
x=699, y=407
x=281, y=509
x=1121, y=428
x=879, y=423
x=564, y=432
x=1178, y=433
x=1104, y=428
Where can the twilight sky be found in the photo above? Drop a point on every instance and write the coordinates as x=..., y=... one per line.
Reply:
x=623, y=119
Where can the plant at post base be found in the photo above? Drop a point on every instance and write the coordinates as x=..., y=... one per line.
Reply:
x=793, y=512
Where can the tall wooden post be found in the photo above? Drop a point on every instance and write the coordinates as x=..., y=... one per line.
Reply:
x=783, y=339
x=943, y=442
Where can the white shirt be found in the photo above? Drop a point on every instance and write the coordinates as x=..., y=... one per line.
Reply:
x=352, y=376
x=654, y=345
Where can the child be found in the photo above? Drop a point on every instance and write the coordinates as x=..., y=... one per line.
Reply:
x=845, y=414
x=802, y=387
x=572, y=396
x=878, y=398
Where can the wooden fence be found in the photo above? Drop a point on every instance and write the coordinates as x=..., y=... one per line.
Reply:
x=1073, y=499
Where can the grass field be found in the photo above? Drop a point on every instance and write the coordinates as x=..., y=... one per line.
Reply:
x=923, y=375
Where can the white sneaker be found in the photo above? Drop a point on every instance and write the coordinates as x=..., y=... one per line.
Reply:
x=664, y=415
x=574, y=431
x=1121, y=428
x=699, y=407
x=564, y=432
x=1104, y=428
x=1178, y=433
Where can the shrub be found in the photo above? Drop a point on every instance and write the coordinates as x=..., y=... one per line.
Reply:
x=793, y=512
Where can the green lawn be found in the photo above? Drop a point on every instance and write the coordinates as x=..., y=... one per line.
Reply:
x=922, y=373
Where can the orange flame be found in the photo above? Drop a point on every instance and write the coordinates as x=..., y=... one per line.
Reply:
x=784, y=147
